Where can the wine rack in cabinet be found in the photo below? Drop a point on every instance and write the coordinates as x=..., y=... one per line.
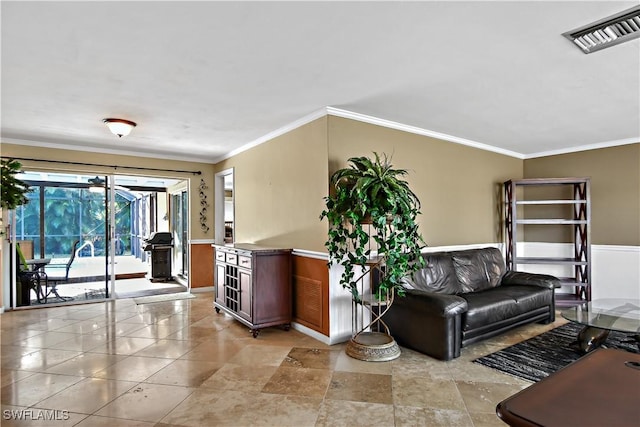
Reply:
x=253, y=284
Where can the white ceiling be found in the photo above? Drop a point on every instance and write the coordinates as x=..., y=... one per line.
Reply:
x=203, y=79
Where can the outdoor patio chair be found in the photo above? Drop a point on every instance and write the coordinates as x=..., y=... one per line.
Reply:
x=53, y=279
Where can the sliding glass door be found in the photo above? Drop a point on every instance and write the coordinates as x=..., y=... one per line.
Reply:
x=87, y=235
x=64, y=230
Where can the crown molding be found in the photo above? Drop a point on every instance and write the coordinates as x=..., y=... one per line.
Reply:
x=274, y=134
x=60, y=146
x=338, y=112
x=326, y=111
x=595, y=146
x=419, y=131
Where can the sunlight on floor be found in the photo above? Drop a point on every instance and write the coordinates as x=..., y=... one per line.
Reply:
x=125, y=288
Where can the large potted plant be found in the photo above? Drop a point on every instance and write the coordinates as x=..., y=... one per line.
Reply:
x=13, y=192
x=372, y=225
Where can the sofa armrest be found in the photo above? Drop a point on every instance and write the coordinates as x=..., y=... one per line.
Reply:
x=427, y=322
x=434, y=304
x=522, y=278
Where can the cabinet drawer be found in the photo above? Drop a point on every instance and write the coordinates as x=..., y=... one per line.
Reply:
x=220, y=256
x=232, y=259
x=244, y=261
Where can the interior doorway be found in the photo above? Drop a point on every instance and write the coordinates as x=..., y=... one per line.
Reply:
x=225, y=223
x=153, y=236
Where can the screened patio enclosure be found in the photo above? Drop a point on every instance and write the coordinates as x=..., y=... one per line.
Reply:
x=69, y=221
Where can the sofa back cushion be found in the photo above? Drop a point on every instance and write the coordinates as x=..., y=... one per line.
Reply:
x=478, y=269
x=438, y=275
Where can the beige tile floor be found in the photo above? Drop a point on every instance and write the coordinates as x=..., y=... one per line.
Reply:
x=178, y=363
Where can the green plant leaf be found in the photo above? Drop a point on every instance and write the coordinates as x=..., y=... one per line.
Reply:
x=13, y=192
x=372, y=190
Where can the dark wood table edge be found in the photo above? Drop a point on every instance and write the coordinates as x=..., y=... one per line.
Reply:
x=515, y=420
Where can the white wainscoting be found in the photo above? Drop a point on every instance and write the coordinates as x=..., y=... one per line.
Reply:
x=615, y=270
x=339, y=306
x=340, y=298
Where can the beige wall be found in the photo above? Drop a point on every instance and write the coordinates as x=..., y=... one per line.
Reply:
x=12, y=150
x=459, y=186
x=279, y=186
x=615, y=189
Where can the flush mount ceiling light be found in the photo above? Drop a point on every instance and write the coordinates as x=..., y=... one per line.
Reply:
x=610, y=31
x=120, y=127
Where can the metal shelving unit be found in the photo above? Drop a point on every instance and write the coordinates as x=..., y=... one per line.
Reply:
x=579, y=218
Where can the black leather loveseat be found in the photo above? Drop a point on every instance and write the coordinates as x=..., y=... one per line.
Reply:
x=462, y=297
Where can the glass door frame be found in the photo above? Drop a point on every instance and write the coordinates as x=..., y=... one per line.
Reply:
x=179, y=202
x=109, y=229
x=110, y=190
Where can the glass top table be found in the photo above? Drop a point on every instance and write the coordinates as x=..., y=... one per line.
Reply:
x=614, y=314
x=601, y=316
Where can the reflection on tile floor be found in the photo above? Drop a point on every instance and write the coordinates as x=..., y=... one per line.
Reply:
x=178, y=363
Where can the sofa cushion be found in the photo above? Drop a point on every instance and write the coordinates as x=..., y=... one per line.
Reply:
x=493, y=305
x=478, y=269
x=438, y=275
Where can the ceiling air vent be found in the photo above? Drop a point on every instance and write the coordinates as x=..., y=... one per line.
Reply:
x=607, y=32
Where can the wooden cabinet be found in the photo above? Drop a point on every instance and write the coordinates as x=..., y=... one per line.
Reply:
x=253, y=284
x=558, y=208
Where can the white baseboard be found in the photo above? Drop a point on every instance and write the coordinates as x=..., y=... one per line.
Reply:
x=310, y=332
x=321, y=337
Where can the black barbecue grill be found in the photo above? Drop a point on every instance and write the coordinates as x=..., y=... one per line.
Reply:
x=160, y=244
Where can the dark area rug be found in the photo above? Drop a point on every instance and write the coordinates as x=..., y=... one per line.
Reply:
x=542, y=355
